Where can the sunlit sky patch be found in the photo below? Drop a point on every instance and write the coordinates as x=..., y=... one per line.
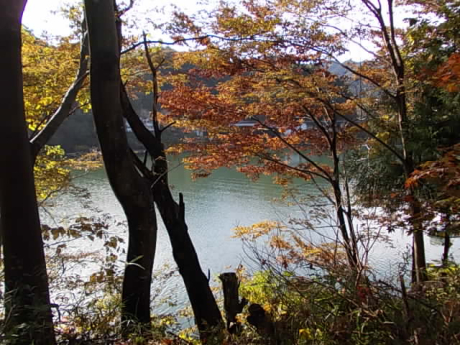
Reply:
x=43, y=17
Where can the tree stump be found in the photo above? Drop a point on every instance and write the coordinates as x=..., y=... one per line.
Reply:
x=232, y=304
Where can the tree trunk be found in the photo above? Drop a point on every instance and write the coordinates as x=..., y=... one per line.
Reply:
x=27, y=300
x=447, y=244
x=141, y=254
x=207, y=315
x=131, y=189
x=397, y=63
x=419, y=242
x=445, y=254
x=349, y=244
x=232, y=304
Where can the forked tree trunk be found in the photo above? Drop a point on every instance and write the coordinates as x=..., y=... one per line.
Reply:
x=27, y=303
x=350, y=244
x=131, y=189
x=207, y=314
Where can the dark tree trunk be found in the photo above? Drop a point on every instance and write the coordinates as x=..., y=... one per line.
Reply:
x=447, y=244
x=419, y=242
x=232, y=304
x=137, y=279
x=445, y=254
x=26, y=283
x=131, y=189
x=207, y=314
x=348, y=235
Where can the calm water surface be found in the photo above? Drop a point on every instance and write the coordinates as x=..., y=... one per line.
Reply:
x=214, y=206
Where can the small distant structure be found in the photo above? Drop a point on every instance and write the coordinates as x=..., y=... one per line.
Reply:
x=245, y=123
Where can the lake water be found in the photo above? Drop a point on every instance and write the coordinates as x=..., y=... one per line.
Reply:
x=214, y=206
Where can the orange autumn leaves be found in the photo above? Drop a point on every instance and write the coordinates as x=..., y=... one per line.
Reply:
x=444, y=172
x=448, y=74
x=255, y=114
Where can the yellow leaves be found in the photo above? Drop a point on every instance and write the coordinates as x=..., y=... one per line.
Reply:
x=279, y=243
x=257, y=230
x=136, y=73
x=255, y=20
x=310, y=334
x=282, y=181
x=88, y=161
x=48, y=69
x=52, y=170
x=384, y=136
x=50, y=173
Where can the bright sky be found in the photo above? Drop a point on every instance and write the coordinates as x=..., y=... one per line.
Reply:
x=39, y=17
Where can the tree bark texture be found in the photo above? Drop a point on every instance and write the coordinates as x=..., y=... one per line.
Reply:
x=419, y=242
x=207, y=315
x=348, y=236
x=27, y=303
x=232, y=304
x=130, y=188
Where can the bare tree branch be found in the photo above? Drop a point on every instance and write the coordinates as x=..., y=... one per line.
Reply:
x=65, y=108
